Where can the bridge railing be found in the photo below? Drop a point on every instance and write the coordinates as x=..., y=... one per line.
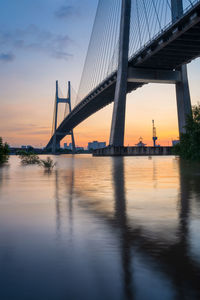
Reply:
x=165, y=28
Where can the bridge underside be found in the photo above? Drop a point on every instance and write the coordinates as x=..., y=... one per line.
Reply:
x=177, y=45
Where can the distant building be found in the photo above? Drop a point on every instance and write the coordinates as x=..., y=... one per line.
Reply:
x=65, y=146
x=102, y=145
x=96, y=145
x=79, y=148
x=175, y=142
x=69, y=147
x=28, y=147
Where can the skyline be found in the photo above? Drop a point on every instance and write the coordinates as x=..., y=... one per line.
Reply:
x=46, y=42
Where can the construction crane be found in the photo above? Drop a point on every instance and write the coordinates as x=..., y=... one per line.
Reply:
x=154, y=134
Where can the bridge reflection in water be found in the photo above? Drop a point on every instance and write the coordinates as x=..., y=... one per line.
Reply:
x=158, y=253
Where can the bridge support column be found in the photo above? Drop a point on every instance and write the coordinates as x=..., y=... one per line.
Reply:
x=118, y=118
x=182, y=87
x=56, y=144
x=177, y=9
x=183, y=99
x=70, y=109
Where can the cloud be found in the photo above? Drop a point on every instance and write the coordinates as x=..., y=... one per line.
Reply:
x=27, y=129
x=62, y=55
x=7, y=57
x=34, y=39
x=65, y=11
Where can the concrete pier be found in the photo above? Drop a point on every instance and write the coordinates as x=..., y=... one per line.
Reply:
x=119, y=110
x=182, y=87
x=132, y=151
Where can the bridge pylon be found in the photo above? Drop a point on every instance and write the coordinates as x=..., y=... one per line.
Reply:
x=56, y=144
x=182, y=86
x=119, y=111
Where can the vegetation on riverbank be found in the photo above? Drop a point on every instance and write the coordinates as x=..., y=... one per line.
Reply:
x=4, y=152
x=189, y=146
x=47, y=163
x=30, y=158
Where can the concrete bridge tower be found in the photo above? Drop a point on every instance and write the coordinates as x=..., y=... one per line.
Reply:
x=182, y=87
x=56, y=145
x=119, y=111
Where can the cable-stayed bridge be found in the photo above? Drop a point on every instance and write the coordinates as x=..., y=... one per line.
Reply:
x=134, y=42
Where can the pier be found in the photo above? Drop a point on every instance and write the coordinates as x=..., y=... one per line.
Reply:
x=133, y=151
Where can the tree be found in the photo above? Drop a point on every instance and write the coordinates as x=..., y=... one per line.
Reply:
x=4, y=151
x=189, y=146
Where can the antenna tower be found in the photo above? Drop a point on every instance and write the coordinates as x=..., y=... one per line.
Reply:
x=154, y=138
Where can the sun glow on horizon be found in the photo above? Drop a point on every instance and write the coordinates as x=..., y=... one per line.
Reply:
x=28, y=75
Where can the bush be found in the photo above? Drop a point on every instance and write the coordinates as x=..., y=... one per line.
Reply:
x=4, y=152
x=189, y=146
x=28, y=158
x=48, y=163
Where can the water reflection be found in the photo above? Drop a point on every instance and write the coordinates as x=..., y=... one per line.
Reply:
x=121, y=221
x=58, y=204
x=113, y=228
x=3, y=173
x=70, y=196
x=172, y=260
x=67, y=196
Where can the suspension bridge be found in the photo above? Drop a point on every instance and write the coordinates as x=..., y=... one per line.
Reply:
x=133, y=42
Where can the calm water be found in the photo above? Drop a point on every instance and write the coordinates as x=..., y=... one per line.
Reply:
x=100, y=228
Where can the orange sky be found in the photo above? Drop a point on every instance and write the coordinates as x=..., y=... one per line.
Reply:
x=29, y=122
x=38, y=48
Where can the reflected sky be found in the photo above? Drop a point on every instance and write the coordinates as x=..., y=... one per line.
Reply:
x=100, y=228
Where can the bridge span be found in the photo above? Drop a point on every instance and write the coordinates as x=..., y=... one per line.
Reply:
x=162, y=60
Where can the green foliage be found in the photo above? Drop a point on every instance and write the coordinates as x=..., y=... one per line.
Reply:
x=28, y=158
x=20, y=153
x=47, y=163
x=189, y=146
x=4, y=152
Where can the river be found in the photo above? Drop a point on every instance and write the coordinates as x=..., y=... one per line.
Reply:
x=100, y=228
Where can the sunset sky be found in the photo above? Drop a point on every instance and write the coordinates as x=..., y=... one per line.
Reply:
x=42, y=41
